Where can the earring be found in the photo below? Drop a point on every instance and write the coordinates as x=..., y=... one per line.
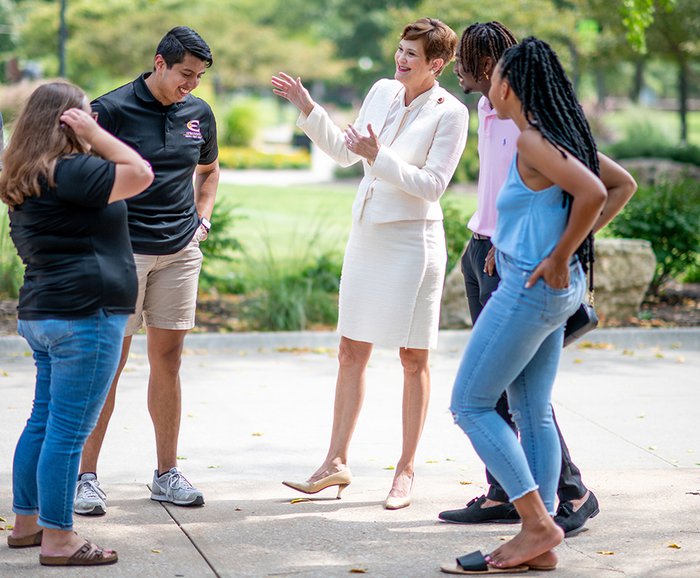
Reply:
x=486, y=75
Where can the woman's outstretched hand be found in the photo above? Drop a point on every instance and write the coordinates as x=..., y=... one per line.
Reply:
x=365, y=146
x=555, y=274
x=294, y=91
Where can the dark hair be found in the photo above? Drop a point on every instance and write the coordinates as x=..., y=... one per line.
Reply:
x=180, y=41
x=550, y=105
x=480, y=40
x=38, y=140
x=439, y=40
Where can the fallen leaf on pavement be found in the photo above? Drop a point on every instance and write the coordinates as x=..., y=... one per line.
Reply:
x=591, y=345
x=605, y=552
x=299, y=500
x=674, y=546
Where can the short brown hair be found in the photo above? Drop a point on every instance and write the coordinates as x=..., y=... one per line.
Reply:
x=439, y=40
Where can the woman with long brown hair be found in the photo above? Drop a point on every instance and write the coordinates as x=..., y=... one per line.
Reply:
x=68, y=223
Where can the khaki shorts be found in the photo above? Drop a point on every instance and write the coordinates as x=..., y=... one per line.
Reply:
x=167, y=296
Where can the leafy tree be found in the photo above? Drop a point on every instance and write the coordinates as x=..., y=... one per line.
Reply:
x=116, y=39
x=7, y=33
x=675, y=36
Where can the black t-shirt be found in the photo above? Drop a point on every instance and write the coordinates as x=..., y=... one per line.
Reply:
x=75, y=245
x=174, y=139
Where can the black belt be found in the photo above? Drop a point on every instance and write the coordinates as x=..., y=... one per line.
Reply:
x=479, y=237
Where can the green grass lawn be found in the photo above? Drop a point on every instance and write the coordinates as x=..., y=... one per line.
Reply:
x=287, y=219
x=666, y=122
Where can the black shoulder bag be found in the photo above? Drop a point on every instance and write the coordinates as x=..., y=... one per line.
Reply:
x=584, y=318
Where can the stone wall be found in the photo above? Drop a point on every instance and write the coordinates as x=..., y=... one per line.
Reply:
x=622, y=272
x=454, y=311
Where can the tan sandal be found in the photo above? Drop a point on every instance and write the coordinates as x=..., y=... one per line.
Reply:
x=25, y=541
x=88, y=554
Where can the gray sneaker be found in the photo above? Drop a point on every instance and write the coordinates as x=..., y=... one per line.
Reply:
x=90, y=499
x=173, y=487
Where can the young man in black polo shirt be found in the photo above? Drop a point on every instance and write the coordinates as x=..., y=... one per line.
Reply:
x=176, y=133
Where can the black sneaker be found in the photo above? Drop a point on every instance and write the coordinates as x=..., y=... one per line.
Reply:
x=475, y=514
x=573, y=522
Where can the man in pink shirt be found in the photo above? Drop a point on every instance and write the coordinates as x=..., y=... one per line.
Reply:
x=480, y=48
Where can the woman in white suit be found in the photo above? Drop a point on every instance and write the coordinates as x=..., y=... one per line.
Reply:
x=409, y=136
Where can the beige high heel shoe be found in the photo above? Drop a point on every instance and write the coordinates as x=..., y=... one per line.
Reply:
x=341, y=479
x=398, y=502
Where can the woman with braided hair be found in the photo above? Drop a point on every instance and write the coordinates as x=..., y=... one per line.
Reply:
x=558, y=190
x=481, y=46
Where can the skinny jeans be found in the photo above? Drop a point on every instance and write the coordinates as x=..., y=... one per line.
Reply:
x=515, y=347
x=479, y=287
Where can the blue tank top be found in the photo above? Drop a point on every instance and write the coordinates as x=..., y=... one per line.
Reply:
x=530, y=223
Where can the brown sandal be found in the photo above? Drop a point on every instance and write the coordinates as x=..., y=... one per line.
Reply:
x=88, y=554
x=25, y=541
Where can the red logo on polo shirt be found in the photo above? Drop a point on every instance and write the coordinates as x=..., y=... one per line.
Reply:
x=193, y=130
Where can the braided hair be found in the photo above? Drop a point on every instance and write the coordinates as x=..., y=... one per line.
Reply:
x=550, y=105
x=480, y=40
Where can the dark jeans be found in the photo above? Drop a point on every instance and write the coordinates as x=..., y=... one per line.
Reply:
x=479, y=287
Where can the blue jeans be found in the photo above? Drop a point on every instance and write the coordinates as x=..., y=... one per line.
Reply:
x=76, y=360
x=515, y=347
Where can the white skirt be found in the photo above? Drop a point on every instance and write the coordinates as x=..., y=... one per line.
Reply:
x=391, y=284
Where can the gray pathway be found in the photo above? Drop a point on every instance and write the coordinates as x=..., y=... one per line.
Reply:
x=257, y=411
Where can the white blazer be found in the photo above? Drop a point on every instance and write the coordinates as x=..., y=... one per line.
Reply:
x=409, y=176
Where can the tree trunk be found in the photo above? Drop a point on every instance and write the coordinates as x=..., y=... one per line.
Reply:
x=62, y=39
x=601, y=89
x=638, y=80
x=683, y=98
x=575, y=65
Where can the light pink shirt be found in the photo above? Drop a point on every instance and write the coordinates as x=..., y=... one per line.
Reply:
x=497, y=143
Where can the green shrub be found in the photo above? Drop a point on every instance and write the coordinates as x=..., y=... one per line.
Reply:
x=11, y=267
x=668, y=216
x=292, y=292
x=220, y=251
x=468, y=167
x=456, y=232
x=692, y=273
x=248, y=158
x=241, y=122
x=644, y=137
x=631, y=150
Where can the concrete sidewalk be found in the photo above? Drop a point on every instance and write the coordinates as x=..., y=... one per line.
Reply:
x=257, y=410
